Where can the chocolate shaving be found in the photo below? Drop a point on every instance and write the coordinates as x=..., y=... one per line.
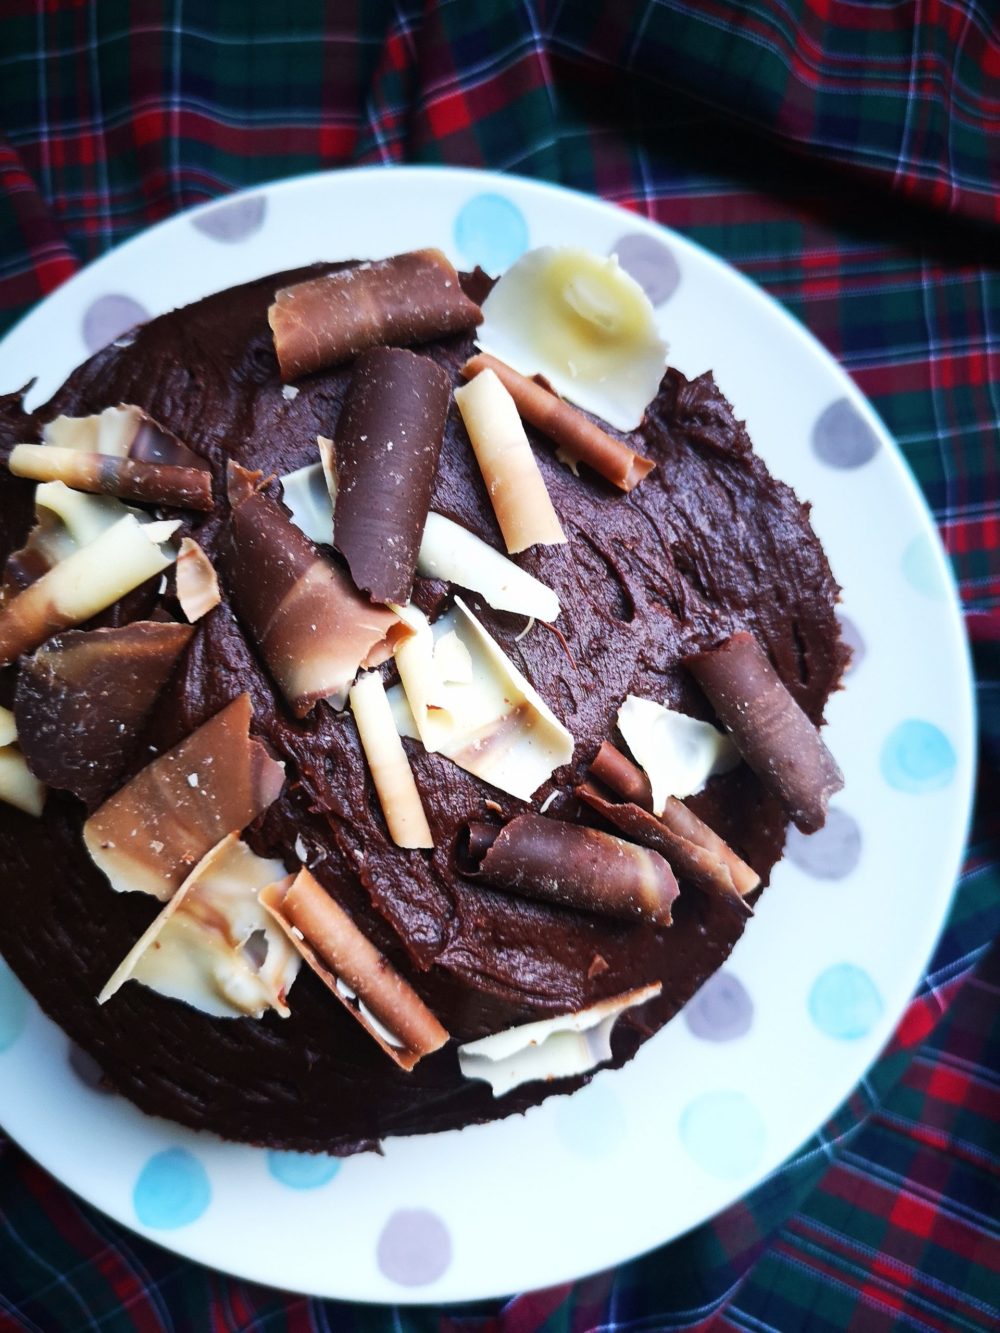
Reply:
x=355, y=972
x=388, y=443
x=153, y=443
x=197, y=585
x=312, y=626
x=771, y=731
x=579, y=439
x=83, y=698
x=409, y=298
x=103, y=474
x=696, y=853
x=576, y=867
x=125, y=431
x=150, y=835
x=612, y=768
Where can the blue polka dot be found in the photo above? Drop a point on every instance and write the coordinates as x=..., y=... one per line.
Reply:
x=917, y=757
x=922, y=568
x=724, y=1133
x=591, y=1123
x=491, y=231
x=844, y=1002
x=302, y=1170
x=172, y=1190
x=13, y=1007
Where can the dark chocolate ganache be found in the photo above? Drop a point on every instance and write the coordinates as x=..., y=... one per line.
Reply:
x=708, y=544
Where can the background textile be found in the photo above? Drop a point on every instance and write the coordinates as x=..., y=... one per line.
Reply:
x=845, y=156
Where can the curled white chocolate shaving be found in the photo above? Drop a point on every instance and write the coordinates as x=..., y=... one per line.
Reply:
x=389, y=766
x=678, y=753
x=449, y=551
x=307, y=500
x=18, y=786
x=517, y=491
x=8, y=727
x=197, y=583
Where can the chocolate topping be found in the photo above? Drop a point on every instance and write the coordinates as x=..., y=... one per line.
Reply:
x=388, y=442
x=197, y=585
x=773, y=734
x=409, y=298
x=579, y=439
x=616, y=771
x=83, y=698
x=102, y=474
x=125, y=431
x=312, y=627
x=576, y=867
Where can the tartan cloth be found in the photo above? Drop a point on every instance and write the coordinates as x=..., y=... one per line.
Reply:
x=844, y=155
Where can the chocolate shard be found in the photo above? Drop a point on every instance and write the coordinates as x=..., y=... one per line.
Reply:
x=83, y=698
x=578, y=439
x=579, y=867
x=409, y=298
x=356, y=973
x=102, y=474
x=387, y=448
x=125, y=431
x=313, y=628
x=197, y=584
x=692, y=849
x=149, y=836
x=612, y=768
x=771, y=731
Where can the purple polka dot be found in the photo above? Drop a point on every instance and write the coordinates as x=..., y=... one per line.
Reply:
x=87, y=1070
x=234, y=220
x=831, y=852
x=842, y=438
x=108, y=317
x=722, y=1010
x=852, y=637
x=651, y=264
x=414, y=1248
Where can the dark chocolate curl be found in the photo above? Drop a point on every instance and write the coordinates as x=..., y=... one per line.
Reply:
x=770, y=730
x=409, y=298
x=387, y=449
x=626, y=780
x=104, y=474
x=579, y=867
x=694, y=851
x=312, y=627
x=83, y=698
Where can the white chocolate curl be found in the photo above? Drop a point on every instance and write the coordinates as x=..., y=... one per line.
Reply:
x=390, y=768
x=449, y=551
x=8, y=727
x=510, y=470
x=197, y=584
x=86, y=582
x=18, y=786
x=678, y=753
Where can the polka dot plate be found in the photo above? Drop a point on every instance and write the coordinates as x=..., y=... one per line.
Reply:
x=774, y=1042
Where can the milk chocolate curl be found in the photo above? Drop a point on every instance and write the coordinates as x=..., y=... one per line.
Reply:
x=102, y=474
x=388, y=443
x=84, y=696
x=694, y=851
x=769, y=728
x=409, y=298
x=312, y=626
x=578, y=867
x=516, y=488
x=577, y=438
x=357, y=974
x=150, y=835
x=197, y=585
x=90, y=580
x=624, y=778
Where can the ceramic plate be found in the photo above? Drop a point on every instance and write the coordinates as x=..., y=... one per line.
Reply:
x=775, y=1041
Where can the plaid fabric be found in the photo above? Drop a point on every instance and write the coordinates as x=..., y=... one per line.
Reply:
x=844, y=155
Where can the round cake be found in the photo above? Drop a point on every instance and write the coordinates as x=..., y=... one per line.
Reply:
x=652, y=582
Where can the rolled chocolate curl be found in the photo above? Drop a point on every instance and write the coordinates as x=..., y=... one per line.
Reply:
x=387, y=448
x=150, y=835
x=65, y=521
x=312, y=626
x=579, y=867
x=771, y=731
x=516, y=487
x=197, y=585
x=125, y=431
x=103, y=474
x=624, y=778
x=693, y=850
x=354, y=971
x=83, y=698
x=388, y=764
x=577, y=438
x=86, y=582
x=409, y=298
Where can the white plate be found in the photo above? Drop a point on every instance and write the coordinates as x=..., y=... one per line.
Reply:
x=776, y=1041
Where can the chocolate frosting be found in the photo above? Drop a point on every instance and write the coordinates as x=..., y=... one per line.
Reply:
x=646, y=578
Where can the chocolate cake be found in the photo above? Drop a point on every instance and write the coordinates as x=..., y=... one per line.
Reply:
x=688, y=576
